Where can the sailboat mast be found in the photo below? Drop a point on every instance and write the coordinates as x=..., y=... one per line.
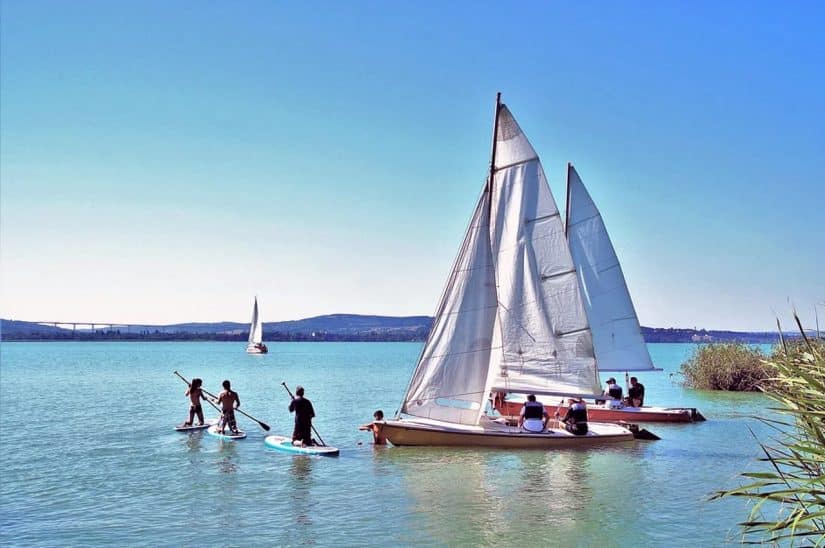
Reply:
x=493, y=151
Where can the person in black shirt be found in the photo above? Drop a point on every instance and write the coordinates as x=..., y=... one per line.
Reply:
x=636, y=393
x=575, y=420
x=304, y=413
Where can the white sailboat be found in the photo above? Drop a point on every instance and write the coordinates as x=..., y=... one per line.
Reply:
x=510, y=318
x=617, y=336
x=256, y=333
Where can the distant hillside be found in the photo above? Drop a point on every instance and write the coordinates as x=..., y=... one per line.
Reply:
x=331, y=327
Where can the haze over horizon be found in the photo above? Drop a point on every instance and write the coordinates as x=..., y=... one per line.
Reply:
x=164, y=164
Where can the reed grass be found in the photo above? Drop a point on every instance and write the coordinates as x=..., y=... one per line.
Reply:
x=793, y=489
x=735, y=367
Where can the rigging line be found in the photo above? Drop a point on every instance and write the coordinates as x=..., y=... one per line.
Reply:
x=514, y=164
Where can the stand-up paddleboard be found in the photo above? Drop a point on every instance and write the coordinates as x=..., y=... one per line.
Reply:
x=228, y=435
x=285, y=444
x=195, y=427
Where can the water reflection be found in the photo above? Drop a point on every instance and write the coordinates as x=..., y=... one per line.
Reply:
x=488, y=496
x=302, y=506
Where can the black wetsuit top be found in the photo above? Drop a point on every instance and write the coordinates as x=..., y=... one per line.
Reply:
x=637, y=392
x=615, y=392
x=576, y=419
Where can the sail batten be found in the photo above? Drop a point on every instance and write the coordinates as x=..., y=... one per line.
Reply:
x=617, y=335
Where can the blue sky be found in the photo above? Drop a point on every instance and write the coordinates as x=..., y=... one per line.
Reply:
x=164, y=162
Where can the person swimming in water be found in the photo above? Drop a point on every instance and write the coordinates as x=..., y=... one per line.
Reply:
x=377, y=429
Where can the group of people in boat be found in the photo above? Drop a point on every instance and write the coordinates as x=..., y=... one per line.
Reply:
x=534, y=416
x=635, y=393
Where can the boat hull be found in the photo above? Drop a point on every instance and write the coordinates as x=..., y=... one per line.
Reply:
x=624, y=414
x=414, y=433
x=256, y=349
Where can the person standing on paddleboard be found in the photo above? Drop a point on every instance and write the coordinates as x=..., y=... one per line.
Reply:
x=195, y=394
x=229, y=401
x=304, y=414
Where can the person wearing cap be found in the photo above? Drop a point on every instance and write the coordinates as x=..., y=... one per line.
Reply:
x=304, y=414
x=613, y=390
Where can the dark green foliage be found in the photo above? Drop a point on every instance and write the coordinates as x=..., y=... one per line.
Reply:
x=733, y=367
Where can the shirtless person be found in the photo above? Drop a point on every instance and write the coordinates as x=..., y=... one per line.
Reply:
x=229, y=401
x=378, y=437
x=195, y=393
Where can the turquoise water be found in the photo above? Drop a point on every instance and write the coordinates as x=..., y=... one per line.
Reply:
x=89, y=457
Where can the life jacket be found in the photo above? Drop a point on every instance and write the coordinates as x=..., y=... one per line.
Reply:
x=533, y=410
x=577, y=414
x=614, y=391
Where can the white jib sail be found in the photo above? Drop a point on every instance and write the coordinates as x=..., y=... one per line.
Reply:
x=546, y=342
x=449, y=381
x=617, y=336
x=256, y=330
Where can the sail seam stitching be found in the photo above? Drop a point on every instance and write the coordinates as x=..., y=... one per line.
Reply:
x=550, y=277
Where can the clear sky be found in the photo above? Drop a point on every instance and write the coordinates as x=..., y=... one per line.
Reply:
x=167, y=161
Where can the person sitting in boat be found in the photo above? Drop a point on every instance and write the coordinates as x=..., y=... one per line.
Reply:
x=304, y=413
x=635, y=393
x=575, y=420
x=377, y=428
x=613, y=390
x=533, y=416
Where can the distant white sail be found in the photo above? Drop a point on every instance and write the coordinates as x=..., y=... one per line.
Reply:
x=256, y=330
x=546, y=340
x=617, y=336
x=511, y=316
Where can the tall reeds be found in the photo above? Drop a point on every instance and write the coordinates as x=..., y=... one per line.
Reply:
x=793, y=490
x=733, y=367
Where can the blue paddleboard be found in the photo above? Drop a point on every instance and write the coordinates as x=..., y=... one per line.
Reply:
x=285, y=444
x=227, y=435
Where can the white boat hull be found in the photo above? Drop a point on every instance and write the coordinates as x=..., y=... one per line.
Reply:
x=253, y=349
x=423, y=432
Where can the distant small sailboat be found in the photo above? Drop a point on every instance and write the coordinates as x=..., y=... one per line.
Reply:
x=510, y=320
x=256, y=333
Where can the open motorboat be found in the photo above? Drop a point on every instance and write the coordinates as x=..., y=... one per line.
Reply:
x=510, y=319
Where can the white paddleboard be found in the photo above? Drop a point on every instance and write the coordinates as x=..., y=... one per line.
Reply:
x=194, y=427
x=285, y=444
x=227, y=435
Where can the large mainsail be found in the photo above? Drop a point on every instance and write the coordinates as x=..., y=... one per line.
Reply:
x=511, y=316
x=255, y=326
x=546, y=342
x=617, y=336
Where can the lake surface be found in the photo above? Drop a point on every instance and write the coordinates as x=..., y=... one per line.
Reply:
x=89, y=457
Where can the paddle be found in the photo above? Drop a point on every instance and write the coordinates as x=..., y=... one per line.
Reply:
x=288, y=391
x=262, y=424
